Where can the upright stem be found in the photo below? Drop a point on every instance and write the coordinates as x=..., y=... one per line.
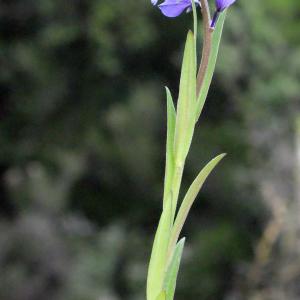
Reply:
x=207, y=39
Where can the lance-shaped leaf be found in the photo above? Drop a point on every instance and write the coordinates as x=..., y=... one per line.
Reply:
x=171, y=121
x=171, y=275
x=189, y=200
x=157, y=265
x=216, y=38
x=185, y=120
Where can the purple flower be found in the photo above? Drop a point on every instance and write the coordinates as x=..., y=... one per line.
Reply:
x=223, y=4
x=220, y=6
x=173, y=8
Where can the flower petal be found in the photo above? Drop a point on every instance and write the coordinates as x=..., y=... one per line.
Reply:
x=223, y=4
x=173, y=8
x=154, y=2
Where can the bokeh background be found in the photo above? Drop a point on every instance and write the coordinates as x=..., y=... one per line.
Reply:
x=82, y=137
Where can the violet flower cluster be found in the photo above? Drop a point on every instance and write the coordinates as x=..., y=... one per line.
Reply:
x=174, y=8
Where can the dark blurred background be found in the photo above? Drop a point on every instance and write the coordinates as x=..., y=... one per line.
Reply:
x=82, y=139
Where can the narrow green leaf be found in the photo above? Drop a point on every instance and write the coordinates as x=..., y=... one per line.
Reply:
x=216, y=38
x=171, y=121
x=157, y=265
x=161, y=296
x=190, y=198
x=186, y=105
x=171, y=275
x=195, y=21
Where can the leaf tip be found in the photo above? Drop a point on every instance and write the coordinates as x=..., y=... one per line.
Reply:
x=190, y=34
x=221, y=156
x=182, y=241
x=167, y=90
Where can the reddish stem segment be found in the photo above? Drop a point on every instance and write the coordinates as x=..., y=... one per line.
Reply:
x=207, y=39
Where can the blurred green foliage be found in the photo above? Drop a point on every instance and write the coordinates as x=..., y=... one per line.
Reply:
x=82, y=137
